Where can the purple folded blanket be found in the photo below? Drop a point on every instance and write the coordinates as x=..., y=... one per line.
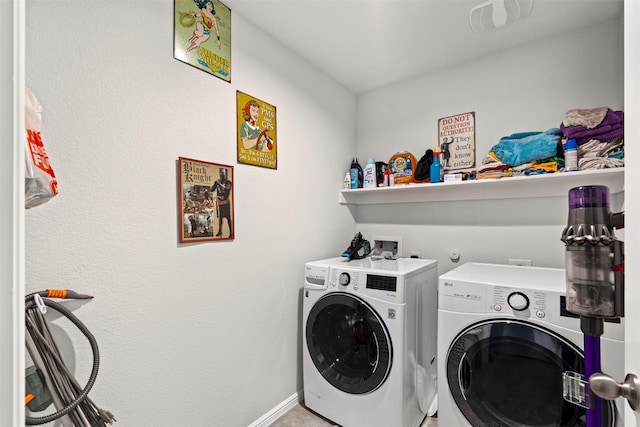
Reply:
x=610, y=127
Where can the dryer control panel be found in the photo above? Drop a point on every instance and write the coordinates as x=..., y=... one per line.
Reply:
x=505, y=300
x=520, y=301
x=507, y=291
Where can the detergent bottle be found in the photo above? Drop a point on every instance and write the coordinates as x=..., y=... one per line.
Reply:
x=370, y=178
x=346, y=183
x=435, y=168
x=353, y=171
x=403, y=165
x=357, y=174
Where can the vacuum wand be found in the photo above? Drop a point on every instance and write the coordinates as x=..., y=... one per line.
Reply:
x=594, y=261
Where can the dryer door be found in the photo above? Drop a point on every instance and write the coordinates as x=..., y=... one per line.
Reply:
x=348, y=343
x=509, y=373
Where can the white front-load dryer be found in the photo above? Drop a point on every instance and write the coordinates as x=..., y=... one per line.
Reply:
x=369, y=341
x=504, y=341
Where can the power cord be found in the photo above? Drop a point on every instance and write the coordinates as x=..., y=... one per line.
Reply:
x=72, y=397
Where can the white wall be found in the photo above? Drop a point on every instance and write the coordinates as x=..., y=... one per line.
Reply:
x=528, y=88
x=190, y=335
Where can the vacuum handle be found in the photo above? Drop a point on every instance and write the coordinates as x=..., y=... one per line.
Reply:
x=608, y=388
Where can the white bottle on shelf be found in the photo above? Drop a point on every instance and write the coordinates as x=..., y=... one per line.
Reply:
x=346, y=183
x=370, y=180
x=571, y=156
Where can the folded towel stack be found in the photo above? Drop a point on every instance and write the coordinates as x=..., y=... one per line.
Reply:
x=525, y=147
x=599, y=133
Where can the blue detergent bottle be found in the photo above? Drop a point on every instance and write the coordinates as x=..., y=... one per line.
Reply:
x=435, y=168
x=357, y=174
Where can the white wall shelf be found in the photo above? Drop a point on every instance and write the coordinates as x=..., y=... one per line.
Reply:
x=546, y=185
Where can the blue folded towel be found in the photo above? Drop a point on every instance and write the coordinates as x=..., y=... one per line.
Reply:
x=524, y=147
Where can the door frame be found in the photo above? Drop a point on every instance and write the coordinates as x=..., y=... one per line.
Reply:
x=12, y=241
x=632, y=199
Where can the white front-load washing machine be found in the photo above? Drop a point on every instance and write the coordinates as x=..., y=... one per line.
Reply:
x=504, y=341
x=369, y=340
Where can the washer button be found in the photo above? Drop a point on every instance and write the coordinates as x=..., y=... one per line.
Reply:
x=497, y=307
x=540, y=314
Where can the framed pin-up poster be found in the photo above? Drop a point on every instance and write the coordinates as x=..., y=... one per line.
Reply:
x=257, y=131
x=202, y=36
x=205, y=201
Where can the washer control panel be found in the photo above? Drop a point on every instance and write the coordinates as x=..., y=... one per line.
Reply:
x=343, y=279
x=386, y=286
x=356, y=279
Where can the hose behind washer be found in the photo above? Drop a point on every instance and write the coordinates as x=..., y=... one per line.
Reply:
x=37, y=329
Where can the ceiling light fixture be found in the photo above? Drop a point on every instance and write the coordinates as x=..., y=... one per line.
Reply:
x=494, y=14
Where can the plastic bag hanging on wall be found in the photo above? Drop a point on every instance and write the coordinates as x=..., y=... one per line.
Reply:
x=40, y=181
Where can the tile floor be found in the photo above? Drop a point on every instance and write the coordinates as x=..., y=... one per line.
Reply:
x=300, y=416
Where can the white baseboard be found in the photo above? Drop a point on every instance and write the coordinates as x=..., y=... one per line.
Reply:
x=268, y=418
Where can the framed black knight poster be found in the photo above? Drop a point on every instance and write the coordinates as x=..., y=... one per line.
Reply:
x=205, y=201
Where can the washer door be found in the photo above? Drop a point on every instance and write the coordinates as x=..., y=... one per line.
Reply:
x=509, y=373
x=349, y=343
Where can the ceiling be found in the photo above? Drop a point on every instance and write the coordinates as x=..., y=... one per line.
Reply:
x=366, y=44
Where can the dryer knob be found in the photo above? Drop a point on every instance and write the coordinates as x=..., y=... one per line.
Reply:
x=344, y=279
x=518, y=301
